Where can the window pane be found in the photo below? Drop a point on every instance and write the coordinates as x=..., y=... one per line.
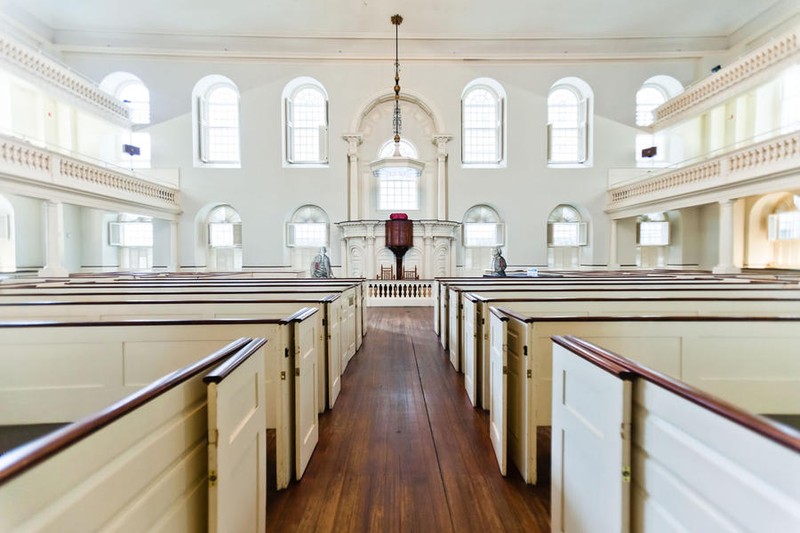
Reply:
x=137, y=97
x=653, y=233
x=220, y=234
x=647, y=100
x=222, y=123
x=481, y=127
x=137, y=234
x=307, y=119
x=397, y=193
x=481, y=234
x=784, y=226
x=565, y=234
x=311, y=234
x=563, y=117
x=790, y=104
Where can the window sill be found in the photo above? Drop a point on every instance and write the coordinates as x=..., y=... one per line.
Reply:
x=484, y=165
x=201, y=164
x=305, y=165
x=570, y=165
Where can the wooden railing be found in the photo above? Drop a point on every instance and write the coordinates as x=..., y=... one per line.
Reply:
x=399, y=293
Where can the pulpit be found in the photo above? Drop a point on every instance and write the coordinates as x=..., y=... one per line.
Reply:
x=399, y=237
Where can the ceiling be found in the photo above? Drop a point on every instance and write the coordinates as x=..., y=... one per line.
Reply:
x=443, y=27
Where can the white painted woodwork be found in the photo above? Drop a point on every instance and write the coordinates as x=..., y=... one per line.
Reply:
x=498, y=414
x=454, y=332
x=145, y=471
x=470, y=340
x=679, y=349
x=237, y=447
x=694, y=470
x=591, y=447
x=521, y=394
x=305, y=395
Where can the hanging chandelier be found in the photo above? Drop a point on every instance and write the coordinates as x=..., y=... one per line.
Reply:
x=397, y=165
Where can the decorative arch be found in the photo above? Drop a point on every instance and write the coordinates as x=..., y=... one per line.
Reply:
x=407, y=96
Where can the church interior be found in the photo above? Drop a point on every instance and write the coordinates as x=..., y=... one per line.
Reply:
x=443, y=218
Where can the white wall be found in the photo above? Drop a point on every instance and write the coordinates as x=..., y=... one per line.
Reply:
x=265, y=193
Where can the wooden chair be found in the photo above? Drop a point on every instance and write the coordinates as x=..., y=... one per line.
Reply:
x=386, y=272
x=410, y=274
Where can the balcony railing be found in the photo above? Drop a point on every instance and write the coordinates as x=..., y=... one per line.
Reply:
x=399, y=293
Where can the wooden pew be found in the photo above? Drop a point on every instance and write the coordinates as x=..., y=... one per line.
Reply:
x=60, y=371
x=141, y=463
x=714, y=353
x=456, y=292
x=474, y=354
x=330, y=350
x=352, y=293
x=682, y=452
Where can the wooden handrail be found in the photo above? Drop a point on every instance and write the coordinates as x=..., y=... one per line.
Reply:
x=16, y=461
x=234, y=361
x=300, y=315
x=782, y=435
x=502, y=311
x=147, y=322
x=596, y=357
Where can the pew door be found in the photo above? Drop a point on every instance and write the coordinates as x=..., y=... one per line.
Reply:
x=306, y=420
x=454, y=332
x=591, y=446
x=333, y=360
x=470, y=347
x=237, y=446
x=498, y=368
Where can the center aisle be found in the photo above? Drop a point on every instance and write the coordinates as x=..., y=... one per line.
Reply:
x=404, y=450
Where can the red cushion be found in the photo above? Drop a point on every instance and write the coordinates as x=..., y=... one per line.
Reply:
x=398, y=216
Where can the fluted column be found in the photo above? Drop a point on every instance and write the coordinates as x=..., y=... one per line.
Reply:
x=725, y=263
x=441, y=175
x=353, y=176
x=369, y=271
x=54, y=241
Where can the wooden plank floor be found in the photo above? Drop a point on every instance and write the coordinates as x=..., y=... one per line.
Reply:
x=404, y=450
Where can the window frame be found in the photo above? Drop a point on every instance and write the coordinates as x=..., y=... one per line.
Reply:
x=582, y=136
x=289, y=154
x=499, y=101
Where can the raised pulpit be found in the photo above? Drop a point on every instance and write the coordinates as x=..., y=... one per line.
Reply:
x=399, y=237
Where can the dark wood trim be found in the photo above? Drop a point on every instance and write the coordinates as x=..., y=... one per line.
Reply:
x=502, y=314
x=20, y=459
x=782, y=435
x=642, y=318
x=159, y=322
x=595, y=357
x=300, y=300
x=300, y=315
x=475, y=297
x=233, y=362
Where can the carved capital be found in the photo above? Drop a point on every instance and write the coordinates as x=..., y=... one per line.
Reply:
x=353, y=140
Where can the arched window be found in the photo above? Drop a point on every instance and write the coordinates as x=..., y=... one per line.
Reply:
x=652, y=229
x=482, y=227
x=308, y=227
x=569, y=115
x=131, y=90
x=305, y=123
x=653, y=93
x=784, y=222
x=397, y=190
x=652, y=240
x=307, y=231
x=224, y=253
x=216, y=112
x=483, y=123
x=565, y=227
x=133, y=235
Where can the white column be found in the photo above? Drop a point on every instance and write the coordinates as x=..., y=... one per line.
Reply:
x=174, y=256
x=345, y=271
x=369, y=270
x=725, y=262
x=613, y=259
x=54, y=241
x=441, y=175
x=353, y=177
